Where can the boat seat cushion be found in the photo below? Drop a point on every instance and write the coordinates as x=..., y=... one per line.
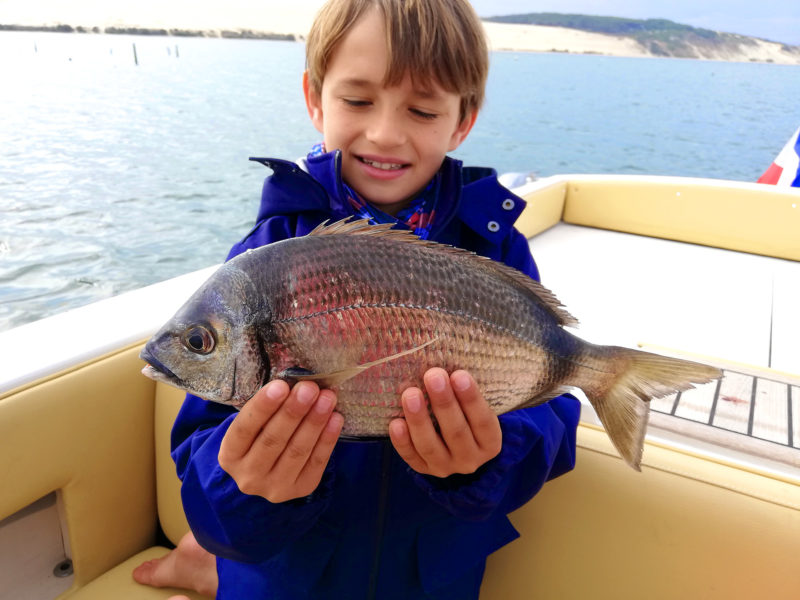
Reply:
x=117, y=583
x=168, y=486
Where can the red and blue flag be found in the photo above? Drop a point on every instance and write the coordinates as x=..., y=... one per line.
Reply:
x=785, y=169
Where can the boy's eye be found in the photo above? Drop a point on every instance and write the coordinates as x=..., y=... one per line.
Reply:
x=423, y=115
x=355, y=103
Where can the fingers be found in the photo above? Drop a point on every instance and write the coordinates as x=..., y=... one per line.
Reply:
x=247, y=425
x=280, y=443
x=312, y=472
x=297, y=446
x=449, y=412
x=279, y=429
x=483, y=422
x=468, y=432
x=401, y=440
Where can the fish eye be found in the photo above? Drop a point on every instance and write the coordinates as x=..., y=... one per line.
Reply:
x=199, y=339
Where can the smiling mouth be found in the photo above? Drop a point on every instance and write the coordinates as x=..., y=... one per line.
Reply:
x=382, y=165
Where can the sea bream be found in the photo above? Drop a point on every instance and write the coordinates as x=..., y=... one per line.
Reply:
x=365, y=310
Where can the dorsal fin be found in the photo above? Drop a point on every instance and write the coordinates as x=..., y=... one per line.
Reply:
x=548, y=298
x=349, y=226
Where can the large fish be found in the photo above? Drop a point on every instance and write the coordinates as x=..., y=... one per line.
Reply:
x=366, y=310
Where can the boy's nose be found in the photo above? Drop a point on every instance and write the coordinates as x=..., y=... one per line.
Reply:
x=386, y=129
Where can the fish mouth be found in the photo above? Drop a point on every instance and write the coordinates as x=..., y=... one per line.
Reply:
x=156, y=370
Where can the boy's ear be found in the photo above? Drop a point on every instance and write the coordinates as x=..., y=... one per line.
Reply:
x=313, y=103
x=463, y=129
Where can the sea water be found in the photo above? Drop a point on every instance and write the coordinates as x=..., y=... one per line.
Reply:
x=124, y=159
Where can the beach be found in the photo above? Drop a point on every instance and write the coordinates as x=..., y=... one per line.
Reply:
x=262, y=17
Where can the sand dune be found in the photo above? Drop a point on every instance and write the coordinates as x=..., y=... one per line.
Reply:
x=536, y=38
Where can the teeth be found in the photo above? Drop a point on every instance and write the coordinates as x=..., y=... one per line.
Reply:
x=383, y=166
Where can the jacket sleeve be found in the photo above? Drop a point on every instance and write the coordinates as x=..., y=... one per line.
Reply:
x=538, y=444
x=225, y=521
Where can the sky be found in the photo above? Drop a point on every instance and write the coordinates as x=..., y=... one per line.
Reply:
x=775, y=20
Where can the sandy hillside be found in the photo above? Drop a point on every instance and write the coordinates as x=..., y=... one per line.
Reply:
x=536, y=38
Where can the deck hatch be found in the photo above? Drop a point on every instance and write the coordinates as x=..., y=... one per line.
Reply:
x=33, y=555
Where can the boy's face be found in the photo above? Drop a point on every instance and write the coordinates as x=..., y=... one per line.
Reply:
x=393, y=139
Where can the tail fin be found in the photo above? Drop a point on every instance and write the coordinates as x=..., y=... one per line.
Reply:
x=622, y=400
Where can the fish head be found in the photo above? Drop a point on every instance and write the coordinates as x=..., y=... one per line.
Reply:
x=210, y=347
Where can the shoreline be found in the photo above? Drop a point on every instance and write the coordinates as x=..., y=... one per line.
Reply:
x=501, y=37
x=154, y=31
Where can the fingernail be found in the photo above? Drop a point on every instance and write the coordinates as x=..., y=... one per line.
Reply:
x=461, y=381
x=397, y=428
x=335, y=422
x=324, y=404
x=275, y=390
x=413, y=401
x=436, y=382
x=305, y=394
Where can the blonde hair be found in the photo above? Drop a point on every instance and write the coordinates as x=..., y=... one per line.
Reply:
x=441, y=40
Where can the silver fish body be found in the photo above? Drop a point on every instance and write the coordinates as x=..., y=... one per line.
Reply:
x=367, y=310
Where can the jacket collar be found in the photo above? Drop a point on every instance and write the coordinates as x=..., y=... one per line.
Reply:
x=471, y=195
x=486, y=207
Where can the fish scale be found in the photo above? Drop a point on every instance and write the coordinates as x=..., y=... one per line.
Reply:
x=366, y=310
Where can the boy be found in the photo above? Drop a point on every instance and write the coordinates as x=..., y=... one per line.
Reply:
x=289, y=510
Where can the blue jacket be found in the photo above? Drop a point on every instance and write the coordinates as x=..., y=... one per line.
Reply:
x=373, y=528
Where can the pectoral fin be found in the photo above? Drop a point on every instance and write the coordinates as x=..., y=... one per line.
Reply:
x=328, y=380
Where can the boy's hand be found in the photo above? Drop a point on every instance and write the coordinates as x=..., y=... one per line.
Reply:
x=469, y=433
x=279, y=444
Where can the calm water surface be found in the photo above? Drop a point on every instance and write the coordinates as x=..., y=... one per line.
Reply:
x=114, y=176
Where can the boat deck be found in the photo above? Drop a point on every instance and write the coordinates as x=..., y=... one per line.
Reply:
x=732, y=309
x=760, y=409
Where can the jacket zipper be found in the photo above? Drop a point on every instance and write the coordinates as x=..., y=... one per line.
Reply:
x=380, y=522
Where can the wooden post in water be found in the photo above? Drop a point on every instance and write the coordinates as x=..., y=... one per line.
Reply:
x=135, y=58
